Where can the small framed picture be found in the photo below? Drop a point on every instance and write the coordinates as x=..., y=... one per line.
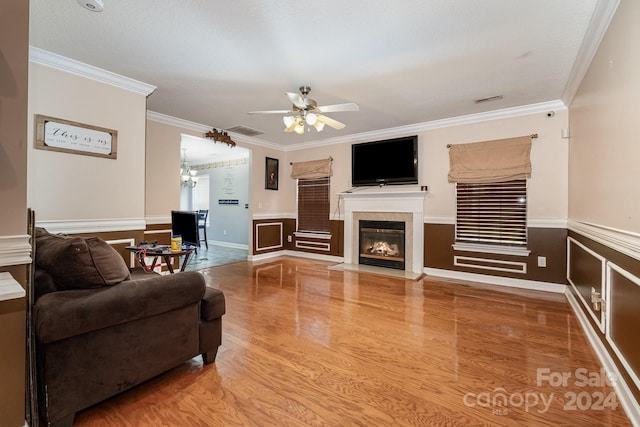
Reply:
x=271, y=174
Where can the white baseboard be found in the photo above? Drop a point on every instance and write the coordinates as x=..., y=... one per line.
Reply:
x=495, y=280
x=625, y=396
x=298, y=254
x=229, y=244
x=268, y=255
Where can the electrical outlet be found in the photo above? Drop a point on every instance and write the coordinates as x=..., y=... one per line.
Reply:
x=542, y=261
x=289, y=238
x=224, y=232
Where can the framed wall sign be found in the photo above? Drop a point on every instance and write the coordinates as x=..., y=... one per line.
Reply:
x=271, y=174
x=76, y=138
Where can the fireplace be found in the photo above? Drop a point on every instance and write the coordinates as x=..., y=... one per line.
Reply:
x=382, y=243
x=405, y=206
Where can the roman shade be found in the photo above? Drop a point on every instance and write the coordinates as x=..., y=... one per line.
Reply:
x=500, y=160
x=311, y=169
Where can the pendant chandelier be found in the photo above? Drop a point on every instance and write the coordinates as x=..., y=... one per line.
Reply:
x=188, y=176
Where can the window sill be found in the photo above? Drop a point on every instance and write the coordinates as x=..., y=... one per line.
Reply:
x=312, y=235
x=491, y=249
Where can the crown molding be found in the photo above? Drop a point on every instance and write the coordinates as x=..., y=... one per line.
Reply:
x=504, y=113
x=600, y=20
x=399, y=131
x=200, y=128
x=62, y=63
x=174, y=121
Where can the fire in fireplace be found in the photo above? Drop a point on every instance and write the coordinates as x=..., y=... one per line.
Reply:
x=382, y=243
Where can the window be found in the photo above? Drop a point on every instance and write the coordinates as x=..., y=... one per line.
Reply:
x=492, y=214
x=313, y=204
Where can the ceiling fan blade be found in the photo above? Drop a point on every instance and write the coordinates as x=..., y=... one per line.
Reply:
x=271, y=112
x=330, y=122
x=297, y=100
x=349, y=106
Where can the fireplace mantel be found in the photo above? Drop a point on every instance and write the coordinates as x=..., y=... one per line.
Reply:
x=381, y=203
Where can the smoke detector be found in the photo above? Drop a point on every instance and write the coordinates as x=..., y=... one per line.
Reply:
x=92, y=5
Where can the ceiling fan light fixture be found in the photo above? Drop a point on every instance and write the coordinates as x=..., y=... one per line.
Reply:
x=311, y=119
x=299, y=129
x=319, y=126
x=288, y=120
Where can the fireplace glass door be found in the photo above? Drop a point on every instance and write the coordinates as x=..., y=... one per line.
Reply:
x=382, y=243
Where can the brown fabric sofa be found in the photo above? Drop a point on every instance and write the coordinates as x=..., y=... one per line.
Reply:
x=100, y=332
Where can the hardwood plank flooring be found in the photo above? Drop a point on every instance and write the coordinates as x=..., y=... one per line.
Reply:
x=308, y=346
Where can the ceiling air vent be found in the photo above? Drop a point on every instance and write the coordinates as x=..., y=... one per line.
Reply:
x=243, y=130
x=487, y=99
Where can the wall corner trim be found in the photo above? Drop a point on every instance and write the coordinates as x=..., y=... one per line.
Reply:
x=625, y=242
x=15, y=250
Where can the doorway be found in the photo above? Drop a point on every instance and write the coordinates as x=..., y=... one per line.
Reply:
x=222, y=179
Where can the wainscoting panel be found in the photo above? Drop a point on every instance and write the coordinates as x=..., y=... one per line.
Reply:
x=313, y=245
x=549, y=243
x=586, y=271
x=490, y=264
x=276, y=234
x=268, y=235
x=159, y=232
x=591, y=262
x=623, y=321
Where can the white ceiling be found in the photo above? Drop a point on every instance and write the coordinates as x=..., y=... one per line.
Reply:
x=404, y=62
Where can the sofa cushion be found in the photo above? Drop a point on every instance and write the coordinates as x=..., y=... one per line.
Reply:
x=79, y=262
x=60, y=315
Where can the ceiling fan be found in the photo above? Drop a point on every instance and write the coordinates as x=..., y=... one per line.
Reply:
x=307, y=111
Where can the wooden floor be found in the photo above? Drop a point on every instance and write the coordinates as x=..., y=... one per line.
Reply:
x=308, y=346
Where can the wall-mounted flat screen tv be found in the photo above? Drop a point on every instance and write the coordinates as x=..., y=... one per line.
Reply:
x=392, y=161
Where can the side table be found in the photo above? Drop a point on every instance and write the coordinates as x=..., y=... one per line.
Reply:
x=142, y=252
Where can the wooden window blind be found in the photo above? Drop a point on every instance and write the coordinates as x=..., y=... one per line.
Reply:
x=313, y=204
x=492, y=213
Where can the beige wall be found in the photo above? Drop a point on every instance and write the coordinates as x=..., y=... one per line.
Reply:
x=605, y=144
x=14, y=50
x=66, y=186
x=547, y=187
x=14, y=62
x=163, y=154
x=162, y=191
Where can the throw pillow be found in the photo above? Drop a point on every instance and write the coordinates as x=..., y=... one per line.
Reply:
x=79, y=262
